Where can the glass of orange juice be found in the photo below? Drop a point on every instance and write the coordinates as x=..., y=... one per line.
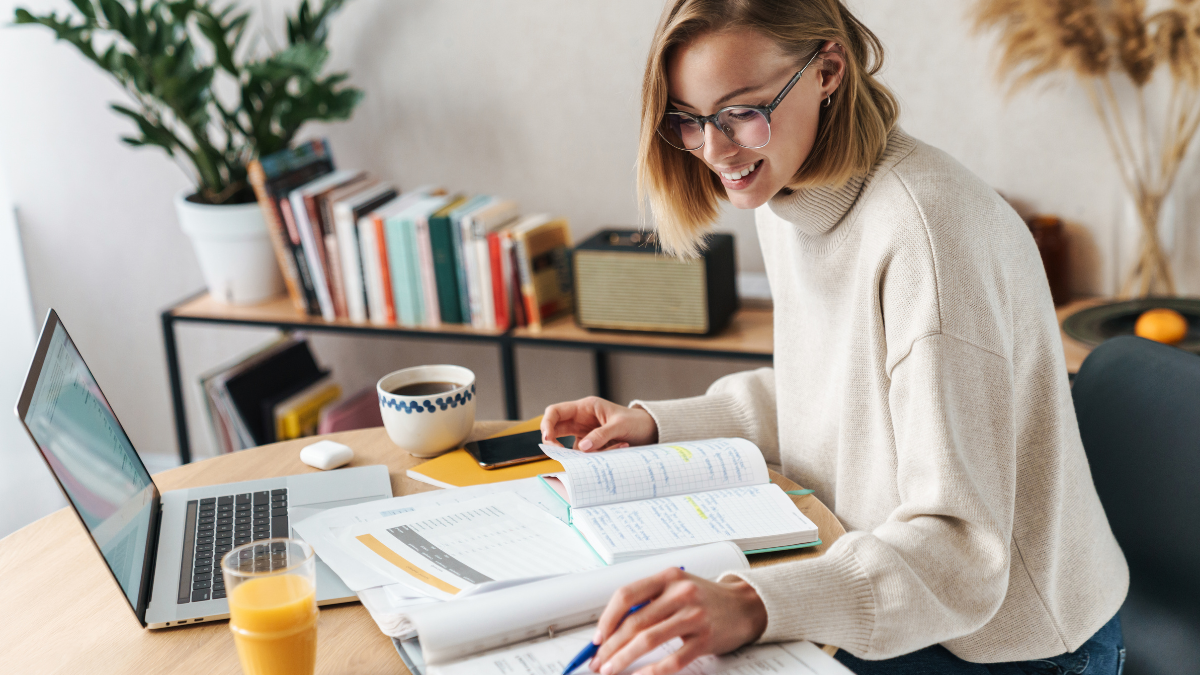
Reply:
x=271, y=587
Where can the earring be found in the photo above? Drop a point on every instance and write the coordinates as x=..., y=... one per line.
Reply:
x=828, y=101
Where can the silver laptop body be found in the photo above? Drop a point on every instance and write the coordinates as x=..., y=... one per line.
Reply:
x=154, y=543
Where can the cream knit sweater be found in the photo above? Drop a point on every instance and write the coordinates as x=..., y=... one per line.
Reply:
x=919, y=388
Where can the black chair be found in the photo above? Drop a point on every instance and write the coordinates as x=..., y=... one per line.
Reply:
x=1138, y=405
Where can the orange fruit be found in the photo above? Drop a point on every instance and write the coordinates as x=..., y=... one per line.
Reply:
x=1161, y=325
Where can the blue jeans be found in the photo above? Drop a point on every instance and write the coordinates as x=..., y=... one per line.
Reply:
x=1102, y=654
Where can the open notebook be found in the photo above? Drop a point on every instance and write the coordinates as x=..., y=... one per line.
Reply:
x=535, y=628
x=640, y=501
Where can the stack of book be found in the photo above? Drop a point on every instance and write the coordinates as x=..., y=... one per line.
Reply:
x=274, y=394
x=352, y=247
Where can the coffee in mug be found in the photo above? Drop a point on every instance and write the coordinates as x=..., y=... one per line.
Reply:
x=428, y=410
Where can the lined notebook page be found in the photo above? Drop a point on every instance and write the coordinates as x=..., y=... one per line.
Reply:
x=688, y=520
x=651, y=471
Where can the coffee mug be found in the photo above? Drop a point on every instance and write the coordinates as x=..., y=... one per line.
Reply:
x=433, y=412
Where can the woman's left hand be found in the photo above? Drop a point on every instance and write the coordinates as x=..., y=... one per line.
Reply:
x=710, y=617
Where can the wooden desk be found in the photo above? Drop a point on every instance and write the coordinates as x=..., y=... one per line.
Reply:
x=64, y=613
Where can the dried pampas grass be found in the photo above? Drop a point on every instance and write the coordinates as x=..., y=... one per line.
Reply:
x=1097, y=41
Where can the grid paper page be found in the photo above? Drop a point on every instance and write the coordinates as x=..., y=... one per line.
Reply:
x=689, y=520
x=550, y=656
x=651, y=471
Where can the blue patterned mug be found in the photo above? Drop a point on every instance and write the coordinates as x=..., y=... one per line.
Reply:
x=428, y=424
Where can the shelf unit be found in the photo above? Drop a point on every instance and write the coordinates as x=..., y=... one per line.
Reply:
x=749, y=336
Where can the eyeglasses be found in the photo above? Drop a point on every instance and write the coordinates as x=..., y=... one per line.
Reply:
x=746, y=125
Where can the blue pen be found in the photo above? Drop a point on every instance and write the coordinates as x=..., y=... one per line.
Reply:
x=589, y=651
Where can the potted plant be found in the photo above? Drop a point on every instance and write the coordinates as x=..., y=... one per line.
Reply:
x=212, y=101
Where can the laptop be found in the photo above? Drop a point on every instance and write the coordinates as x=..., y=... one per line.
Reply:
x=164, y=549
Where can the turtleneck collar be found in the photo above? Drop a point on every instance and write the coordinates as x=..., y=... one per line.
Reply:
x=817, y=211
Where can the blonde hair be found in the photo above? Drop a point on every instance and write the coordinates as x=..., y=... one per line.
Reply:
x=683, y=194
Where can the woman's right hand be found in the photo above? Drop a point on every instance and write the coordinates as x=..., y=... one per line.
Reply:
x=598, y=424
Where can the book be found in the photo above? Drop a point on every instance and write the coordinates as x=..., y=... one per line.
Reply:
x=459, y=469
x=279, y=372
x=346, y=215
x=299, y=415
x=386, y=313
x=457, y=216
x=431, y=313
x=633, y=502
x=539, y=627
x=444, y=262
x=544, y=261
x=475, y=228
x=324, y=204
x=272, y=177
x=230, y=428
x=302, y=214
x=360, y=411
x=268, y=404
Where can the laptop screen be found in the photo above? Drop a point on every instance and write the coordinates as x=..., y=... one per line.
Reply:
x=93, y=459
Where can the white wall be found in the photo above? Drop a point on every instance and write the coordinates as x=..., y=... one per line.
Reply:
x=27, y=490
x=533, y=99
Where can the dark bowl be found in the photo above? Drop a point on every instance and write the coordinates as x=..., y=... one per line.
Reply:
x=1096, y=324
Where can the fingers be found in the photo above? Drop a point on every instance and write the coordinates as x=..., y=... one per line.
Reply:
x=627, y=596
x=678, y=623
x=691, y=650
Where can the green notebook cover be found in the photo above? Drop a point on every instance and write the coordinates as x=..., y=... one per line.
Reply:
x=393, y=229
x=444, y=270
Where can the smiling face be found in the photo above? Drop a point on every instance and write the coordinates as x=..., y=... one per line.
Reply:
x=744, y=67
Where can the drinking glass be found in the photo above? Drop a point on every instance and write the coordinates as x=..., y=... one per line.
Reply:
x=271, y=586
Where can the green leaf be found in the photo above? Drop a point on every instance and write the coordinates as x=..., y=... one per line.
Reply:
x=85, y=7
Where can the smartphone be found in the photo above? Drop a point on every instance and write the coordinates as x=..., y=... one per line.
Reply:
x=493, y=453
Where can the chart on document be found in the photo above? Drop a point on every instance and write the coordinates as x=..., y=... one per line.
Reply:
x=450, y=548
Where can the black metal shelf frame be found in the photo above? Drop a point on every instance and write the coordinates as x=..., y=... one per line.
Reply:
x=506, y=344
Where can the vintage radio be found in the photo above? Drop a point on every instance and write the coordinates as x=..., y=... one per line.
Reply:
x=623, y=281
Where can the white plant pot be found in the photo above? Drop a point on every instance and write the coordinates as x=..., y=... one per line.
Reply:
x=233, y=248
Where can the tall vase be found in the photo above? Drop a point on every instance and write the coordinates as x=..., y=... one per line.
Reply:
x=1151, y=274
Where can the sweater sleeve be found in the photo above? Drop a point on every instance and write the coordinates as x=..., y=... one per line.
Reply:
x=943, y=553
x=741, y=405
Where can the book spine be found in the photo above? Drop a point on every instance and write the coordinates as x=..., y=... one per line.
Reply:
x=526, y=273
x=312, y=254
x=333, y=258
x=412, y=274
x=386, y=297
x=444, y=269
x=275, y=230
x=514, y=282
x=472, y=272
x=370, y=264
x=499, y=288
x=297, y=248
x=351, y=262
x=460, y=268
x=429, y=296
x=486, y=294
x=398, y=263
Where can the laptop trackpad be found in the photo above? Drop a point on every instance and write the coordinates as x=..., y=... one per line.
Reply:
x=330, y=588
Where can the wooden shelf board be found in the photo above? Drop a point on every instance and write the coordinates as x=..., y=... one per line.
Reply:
x=279, y=310
x=750, y=331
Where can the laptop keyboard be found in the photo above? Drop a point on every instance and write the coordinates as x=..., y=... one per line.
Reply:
x=214, y=526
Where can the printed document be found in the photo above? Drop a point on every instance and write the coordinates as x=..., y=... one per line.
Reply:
x=444, y=550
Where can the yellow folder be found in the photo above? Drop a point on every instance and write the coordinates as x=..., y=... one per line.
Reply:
x=459, y=469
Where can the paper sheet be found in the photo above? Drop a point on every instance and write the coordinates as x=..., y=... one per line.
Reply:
x=549, y=657
x=323, y=529
x=443, y=550
x=459, y=629
x=688, y=520
x=650, y=471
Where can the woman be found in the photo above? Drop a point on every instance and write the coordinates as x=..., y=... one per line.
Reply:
x=918, y=386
